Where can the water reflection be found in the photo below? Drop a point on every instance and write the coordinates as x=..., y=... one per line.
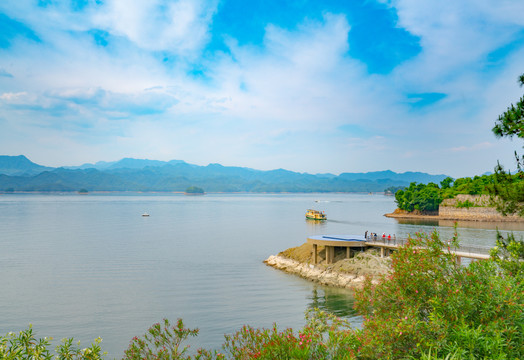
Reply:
x=424, y=222
x=311, y=223
x=334, y=300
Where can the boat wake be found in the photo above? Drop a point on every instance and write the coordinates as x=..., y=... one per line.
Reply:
x=341, y=221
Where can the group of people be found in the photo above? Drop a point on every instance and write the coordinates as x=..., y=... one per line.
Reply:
x=373, y=236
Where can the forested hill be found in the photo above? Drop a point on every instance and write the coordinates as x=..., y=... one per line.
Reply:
x=17, y=173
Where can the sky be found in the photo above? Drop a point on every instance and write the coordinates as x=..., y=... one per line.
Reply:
x=310, y=86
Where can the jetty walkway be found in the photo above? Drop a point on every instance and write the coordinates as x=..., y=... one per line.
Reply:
x=358, y=243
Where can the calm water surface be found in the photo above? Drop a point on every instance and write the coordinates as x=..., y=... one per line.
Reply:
x=89, y=266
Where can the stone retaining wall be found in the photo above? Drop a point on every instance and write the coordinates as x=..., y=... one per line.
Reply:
x=481, y=211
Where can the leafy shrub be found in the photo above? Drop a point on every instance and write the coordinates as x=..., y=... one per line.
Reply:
x=464, y=204
x=431, y=303
x=325, y=336
x=163, y=341
x=508, y=253
x=24, y=345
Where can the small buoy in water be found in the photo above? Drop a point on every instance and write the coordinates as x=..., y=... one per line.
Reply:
x=145, y=214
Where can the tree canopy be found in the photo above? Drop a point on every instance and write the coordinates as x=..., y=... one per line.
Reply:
x=511, y=122
x=508, y=190
x=427, y=198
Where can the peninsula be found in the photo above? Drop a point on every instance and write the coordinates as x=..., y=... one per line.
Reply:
x=462, y=207
x=341, y=272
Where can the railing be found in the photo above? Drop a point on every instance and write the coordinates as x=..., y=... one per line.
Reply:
x=386, y=240
x=464, y=248
x=474, y=249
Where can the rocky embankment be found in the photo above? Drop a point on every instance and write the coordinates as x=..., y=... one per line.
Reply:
x=345, y=273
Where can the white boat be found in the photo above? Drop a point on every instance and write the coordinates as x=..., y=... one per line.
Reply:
x=145, y=214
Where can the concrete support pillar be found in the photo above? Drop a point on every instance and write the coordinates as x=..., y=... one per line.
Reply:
x=348, y=253
x=315, y=256
x=330, y=254
x=381, y=252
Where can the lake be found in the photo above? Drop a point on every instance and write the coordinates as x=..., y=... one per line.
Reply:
x=85, y=266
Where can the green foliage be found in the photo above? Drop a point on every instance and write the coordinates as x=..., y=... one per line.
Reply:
x=446, y=183
x=430, y=303
x=161, y=342
x=509, y=194
x=464, y=204
x=325, y=336
x=419, y=197
x=509, y=255
x=508, y=188
x=25, y=346
x=477, y=185
x=511, y=122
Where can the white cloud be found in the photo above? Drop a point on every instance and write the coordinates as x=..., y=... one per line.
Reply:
x=473, y=147
x=180, y=27
x=301, y=78
x=262, y=106
x=456, y=36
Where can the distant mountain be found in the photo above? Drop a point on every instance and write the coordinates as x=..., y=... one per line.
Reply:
x=20, y=165
x=125, y=163
x=388, y=174
x=20, y=174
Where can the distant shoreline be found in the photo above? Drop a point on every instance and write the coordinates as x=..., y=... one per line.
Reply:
x=182, y=192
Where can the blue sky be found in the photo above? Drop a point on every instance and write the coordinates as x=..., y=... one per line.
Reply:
x=309, y=86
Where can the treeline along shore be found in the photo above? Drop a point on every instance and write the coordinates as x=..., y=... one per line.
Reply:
x=479, y=208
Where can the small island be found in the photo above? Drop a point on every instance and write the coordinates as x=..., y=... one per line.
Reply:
x=194, y=190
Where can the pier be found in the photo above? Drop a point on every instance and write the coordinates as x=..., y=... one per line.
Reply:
x=357, y=243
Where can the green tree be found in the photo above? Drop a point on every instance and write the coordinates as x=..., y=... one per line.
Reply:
x=446, y=183
x=419, y=197
x=511, y=122
x=508, y=190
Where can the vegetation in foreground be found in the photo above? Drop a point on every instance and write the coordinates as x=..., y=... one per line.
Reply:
x=427, y=307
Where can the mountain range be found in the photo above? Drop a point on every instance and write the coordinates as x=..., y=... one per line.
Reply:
x=18, y=173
